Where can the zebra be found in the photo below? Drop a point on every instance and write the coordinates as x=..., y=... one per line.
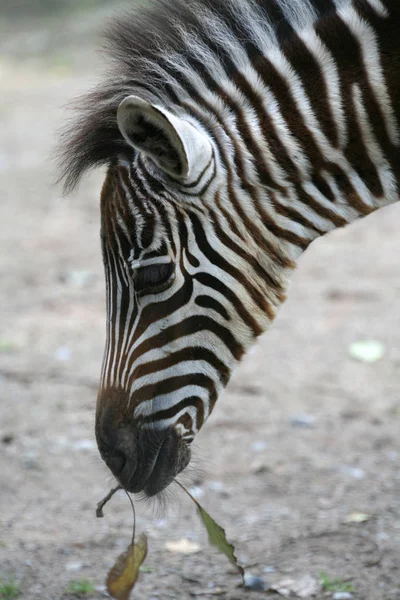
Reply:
x=234, y=133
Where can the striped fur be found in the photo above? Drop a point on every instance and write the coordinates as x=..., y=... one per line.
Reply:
x=299, y=102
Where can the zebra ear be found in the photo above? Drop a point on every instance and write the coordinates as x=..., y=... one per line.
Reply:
x=175, y=145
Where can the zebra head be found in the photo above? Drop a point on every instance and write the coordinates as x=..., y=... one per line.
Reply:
x=192, y=279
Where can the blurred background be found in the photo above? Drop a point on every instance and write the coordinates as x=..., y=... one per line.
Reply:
x=300, y=460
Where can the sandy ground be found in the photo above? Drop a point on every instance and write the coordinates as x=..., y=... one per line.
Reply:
x=303, y=438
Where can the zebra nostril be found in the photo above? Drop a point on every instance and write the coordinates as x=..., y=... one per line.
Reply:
x=117, y=462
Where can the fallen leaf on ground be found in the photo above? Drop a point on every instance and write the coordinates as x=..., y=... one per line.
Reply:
x=302, y=587
x=123, y=575
x=368, y=351
x=357, y=517
x=7, y=346
x=183, y=546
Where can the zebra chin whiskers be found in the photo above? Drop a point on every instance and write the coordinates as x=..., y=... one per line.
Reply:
x=162, y=504
x=200, y=469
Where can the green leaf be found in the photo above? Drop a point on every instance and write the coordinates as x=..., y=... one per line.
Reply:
x=216, y=534
x=334, y=585
x=6, y=346
x=9, y=590
x=217, y=537
x=146, y=569
x=81, y=587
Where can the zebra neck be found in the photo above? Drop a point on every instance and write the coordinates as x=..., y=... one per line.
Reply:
x=323, y=124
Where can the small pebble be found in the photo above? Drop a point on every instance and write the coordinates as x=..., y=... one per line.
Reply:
x=216, y=486
x=342, y=596
x=63, y=353
x=269, y=569
x=306, y=421
x=30, y=461
x=37, y=589
x=392, y=455
x=7, y=438
x=5, y=162
x=197, y=492
x=79, y=279
x=101, y=588
x=258, y=467
x=353, y=472
x=73, y=566
x=31, y=547
x=161, y=523
x=259, y=446
x=85, y=445
x=252, y=519
x=253, y=582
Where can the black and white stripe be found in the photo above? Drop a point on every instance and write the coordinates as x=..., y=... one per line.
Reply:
x=246, y=129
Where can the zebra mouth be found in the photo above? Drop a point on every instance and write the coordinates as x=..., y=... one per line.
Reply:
x=156, y=470
x=172, y=458
x=142, y=459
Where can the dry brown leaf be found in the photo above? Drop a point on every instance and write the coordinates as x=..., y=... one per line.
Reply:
x=123, y=575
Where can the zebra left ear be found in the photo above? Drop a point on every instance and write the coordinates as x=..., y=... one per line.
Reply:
x=175, y=145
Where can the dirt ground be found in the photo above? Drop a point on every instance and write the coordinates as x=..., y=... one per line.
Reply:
x=304, y=440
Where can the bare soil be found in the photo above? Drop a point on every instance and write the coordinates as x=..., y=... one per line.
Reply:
x=304, y=436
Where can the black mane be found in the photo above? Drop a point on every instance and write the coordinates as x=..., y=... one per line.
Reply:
x=137, y=43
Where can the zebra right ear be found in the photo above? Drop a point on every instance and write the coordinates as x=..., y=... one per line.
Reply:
x=176, y=146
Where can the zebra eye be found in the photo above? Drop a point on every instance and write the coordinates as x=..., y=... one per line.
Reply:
x=154, y=278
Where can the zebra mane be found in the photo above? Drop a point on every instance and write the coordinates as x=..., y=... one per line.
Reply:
x=146, y=45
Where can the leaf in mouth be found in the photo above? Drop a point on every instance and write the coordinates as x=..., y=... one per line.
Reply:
x=122, y=577
x=216, y=534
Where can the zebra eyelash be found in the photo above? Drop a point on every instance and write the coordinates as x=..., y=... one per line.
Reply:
x=153, y=278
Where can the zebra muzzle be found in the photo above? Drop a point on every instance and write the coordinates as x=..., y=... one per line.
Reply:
x=146, y=460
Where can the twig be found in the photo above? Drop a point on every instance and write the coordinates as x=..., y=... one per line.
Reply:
x=134, y=518
x=28, y=378
x=102, y=503
x=186, y=492
x=217, y=592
